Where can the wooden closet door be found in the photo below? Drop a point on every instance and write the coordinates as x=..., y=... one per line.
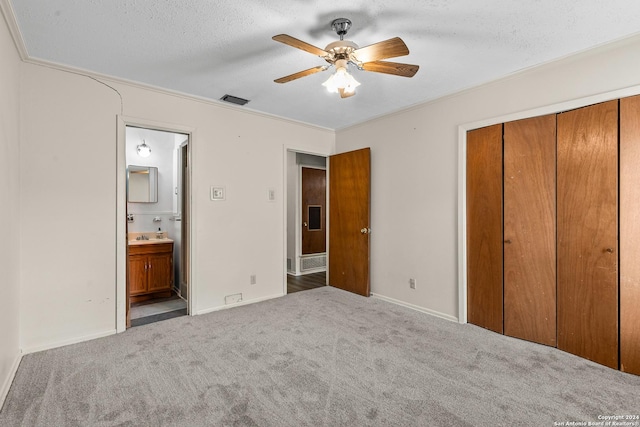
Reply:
x=484, y=227
x=530, y=229
x=587, y=233
x=630, y=235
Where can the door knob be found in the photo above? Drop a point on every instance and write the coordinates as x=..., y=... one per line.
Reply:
x=304, y=224
x=610, y=250
x=365, y=231
x=508, y=242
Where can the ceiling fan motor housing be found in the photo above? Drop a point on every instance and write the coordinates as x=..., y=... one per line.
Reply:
x=340, y=50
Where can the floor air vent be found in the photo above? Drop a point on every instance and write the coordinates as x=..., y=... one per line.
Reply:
x=234, y=100
x=313, y=262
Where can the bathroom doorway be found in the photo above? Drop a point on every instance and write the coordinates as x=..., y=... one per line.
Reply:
x=158, y=224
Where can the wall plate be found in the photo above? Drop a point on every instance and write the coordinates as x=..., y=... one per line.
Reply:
x=217, y=193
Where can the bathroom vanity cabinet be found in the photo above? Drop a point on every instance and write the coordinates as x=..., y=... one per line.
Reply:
x=150, y=271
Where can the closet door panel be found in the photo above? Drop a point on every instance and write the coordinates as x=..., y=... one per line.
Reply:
x=530, y=229
x=630, y=235
x=484, y=227
x=587, y=232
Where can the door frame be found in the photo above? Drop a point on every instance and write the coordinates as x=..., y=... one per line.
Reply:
x=286, y=149
x=121, y=207
x=462, y=170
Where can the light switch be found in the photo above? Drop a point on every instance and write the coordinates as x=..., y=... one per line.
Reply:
x=271, y=195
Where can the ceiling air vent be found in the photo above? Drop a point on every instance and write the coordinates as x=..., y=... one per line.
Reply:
x=234, y=100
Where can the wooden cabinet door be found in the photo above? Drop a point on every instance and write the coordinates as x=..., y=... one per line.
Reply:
x=160, y=272
x=530, y=229
x=484, y=227
x=587, y=232
x=137, y=274
x=630, y=235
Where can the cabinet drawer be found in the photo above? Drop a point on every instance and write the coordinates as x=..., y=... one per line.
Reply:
x=152, y=248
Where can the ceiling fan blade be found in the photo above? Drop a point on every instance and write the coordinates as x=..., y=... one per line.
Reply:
x=344, y=94
x=395, y=68
x=299, y=44
x=300, y=74
x=386, y=49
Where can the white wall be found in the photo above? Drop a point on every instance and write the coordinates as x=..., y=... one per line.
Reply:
x=68, y=251
x=68, y=192
x=414, y=155
x=10, y=209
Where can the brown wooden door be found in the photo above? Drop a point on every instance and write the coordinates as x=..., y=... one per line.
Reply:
x=138, y=265
x=630, y=235
x=484, y=227
x=530, y=229
x=587, y=232
x=314, y=196
x=349, y=201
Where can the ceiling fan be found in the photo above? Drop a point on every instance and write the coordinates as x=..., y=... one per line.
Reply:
x=344, y=52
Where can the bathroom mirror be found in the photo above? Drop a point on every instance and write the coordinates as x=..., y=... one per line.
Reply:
x=142, y=184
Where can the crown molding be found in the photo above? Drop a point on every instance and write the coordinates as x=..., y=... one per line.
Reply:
x=14, y=29
x=104, y=78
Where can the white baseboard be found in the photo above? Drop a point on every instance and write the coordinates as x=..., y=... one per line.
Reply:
x=76, y=340
x=238, y=304
x=417, y=308
x=6, y=385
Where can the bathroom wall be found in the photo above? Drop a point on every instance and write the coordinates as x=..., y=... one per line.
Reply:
x=9, y=209
x=162, y=156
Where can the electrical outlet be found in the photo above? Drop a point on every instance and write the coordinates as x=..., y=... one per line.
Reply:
x=412, y=283
x=217, y=193
x=232, y=299
x=252, y=279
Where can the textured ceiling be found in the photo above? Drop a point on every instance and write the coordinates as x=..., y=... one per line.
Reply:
x=210, y=48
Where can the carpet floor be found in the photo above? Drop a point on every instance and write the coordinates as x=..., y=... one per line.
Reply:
x=322, y=357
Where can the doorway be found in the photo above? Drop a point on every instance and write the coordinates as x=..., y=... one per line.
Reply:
x=157, y=225
x=306, y=221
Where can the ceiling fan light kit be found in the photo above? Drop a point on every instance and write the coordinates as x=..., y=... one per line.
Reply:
x=340, y=54
x=341, y=80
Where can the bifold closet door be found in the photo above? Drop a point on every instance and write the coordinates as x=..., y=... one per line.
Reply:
x=530, y=229
x=484, y=227
x=587, y=232
x=630, y=235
